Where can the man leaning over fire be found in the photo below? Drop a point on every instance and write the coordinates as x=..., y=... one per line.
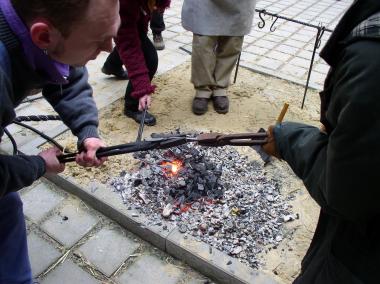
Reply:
x=339, y=164
x=39, y=41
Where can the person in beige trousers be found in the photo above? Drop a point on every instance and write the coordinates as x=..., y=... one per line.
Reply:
x=218, y=28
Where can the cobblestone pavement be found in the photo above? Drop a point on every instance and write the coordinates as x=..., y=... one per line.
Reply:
x=285, y=53
x=72, y=243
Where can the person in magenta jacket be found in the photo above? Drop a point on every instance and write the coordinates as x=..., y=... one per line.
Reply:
x=136, y=51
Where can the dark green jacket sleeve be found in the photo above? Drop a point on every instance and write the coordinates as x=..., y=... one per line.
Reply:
x=341, y=171
x=20, y=171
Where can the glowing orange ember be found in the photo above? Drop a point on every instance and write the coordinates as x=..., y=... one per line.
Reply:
x=172, y=168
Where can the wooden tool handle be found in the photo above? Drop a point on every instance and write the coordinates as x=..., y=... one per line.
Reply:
x=282, y=114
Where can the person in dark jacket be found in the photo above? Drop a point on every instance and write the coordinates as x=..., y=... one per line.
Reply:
x=138, y=54
x=43, y=45
x=339, y=164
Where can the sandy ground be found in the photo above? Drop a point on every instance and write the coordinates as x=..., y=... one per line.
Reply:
x=255, y=101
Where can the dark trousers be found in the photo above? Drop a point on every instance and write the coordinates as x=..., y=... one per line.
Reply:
x=151, y=61
x=14, y=258
x=157, y=24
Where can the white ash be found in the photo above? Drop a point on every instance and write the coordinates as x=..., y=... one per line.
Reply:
x=219, y=197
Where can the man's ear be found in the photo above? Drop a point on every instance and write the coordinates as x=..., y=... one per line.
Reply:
x=43, y=35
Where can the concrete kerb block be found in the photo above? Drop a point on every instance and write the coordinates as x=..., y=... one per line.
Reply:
x=212, y=262
x=110, y=205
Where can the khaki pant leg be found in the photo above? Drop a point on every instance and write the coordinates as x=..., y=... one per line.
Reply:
x=227, y=53
x=203, y=62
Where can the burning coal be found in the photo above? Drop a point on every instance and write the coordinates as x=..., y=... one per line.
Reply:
x=213, y=194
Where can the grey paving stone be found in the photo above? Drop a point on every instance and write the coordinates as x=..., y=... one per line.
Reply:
x=282, y=33
x=294, y=70
x=185, y=39
x=283, y=57
x=150, y=270
x=257, y=50
x=39, y=201
x=257, y=32
x=274, y=37
x=168, y=34
x=301, y=62
x=248, y=56
x=287, y=49
x=294, y=43
x=108, y=249
x=270, y=63
x=69, y=273
x=305, y=54
x=69, y=224
x=322, y=68
x=265, y=43
x=288, y=27
x=177, y=29
x=303, y=37
x=41, y=253
x=173, y=20
x=317, y=78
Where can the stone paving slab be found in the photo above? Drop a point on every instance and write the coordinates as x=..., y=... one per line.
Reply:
x=42, y=253
x=69, y=273
x=111, y=206
x=151, y=270
x=39, y=201
x=108, y=249
x=113, y=249
x=70, y=223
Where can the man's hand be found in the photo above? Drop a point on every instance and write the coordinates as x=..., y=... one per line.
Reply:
x=87, y=158
x=53, y=166
x=270, y=147
x=145, y=101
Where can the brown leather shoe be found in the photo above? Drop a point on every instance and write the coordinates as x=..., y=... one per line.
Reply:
x=200, y=106
x=221, y=104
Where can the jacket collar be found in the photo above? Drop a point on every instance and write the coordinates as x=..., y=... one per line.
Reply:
x=359, y=11
x=51, y=70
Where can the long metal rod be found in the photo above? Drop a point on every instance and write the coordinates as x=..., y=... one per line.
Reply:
x=237, y=67
x=316, y=44
x=142, y=123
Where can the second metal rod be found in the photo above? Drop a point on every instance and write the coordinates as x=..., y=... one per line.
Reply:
x=142, y=123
